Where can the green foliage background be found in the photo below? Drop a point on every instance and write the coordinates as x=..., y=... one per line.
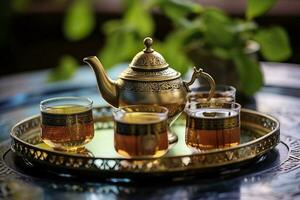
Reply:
x=194, y=26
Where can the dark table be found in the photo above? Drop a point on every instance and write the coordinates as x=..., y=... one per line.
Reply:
x=280, y=179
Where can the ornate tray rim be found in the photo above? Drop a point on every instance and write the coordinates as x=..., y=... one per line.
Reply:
x=272, y=144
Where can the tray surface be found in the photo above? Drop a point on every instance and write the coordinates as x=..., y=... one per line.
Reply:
x=259, y=135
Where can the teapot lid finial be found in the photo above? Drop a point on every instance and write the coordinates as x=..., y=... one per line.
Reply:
x=149, y=65
x=148, y=45
x=148, y=59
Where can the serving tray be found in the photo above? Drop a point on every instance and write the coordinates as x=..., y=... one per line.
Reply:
x=260, y=133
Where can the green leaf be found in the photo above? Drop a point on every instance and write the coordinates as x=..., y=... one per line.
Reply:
x=218, y=29
x=256, y=8
x=178, y=61
x=221, y=53
x=139, y=18
x=249, y=72
x=173, y=51
x=112, y=26
x=65, y=70
x=120, y=47
x=125, y=36
x=178, y=9
x=274, y=42
x=79, y=21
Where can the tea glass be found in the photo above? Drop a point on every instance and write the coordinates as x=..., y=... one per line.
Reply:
x=67, y=122
x=141, y=130
x=212, y=125
x=223, y=93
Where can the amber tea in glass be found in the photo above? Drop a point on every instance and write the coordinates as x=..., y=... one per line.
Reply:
x=212, y=125
x=67, y=122
x=141, y=130
x=224, y=93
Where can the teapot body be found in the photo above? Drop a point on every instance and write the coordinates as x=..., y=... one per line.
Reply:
x=170, y=94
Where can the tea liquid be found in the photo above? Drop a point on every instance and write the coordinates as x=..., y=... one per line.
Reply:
x=212, y=128
x=141, y=134
x=67, y=127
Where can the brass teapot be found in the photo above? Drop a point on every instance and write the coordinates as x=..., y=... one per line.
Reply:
x=149, y=81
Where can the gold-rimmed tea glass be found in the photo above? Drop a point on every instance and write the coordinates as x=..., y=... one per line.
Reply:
x=212, y=125
x=141, y=130
x=224, y=93
x=67, y=122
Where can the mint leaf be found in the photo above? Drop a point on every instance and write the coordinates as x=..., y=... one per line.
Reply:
x=221, y=53
x=138, y=17
x=218, y=28
x=120, y=47
x=173, y=51
x=256, y=8
x=177, y=9
x=79, y=21
x=249, y=72
x=274, y=42
x=65, y=70
x=125, y=36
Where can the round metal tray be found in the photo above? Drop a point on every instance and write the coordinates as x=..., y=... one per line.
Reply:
x=260, y=133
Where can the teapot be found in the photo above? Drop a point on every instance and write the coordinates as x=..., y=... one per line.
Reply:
x=148, y=80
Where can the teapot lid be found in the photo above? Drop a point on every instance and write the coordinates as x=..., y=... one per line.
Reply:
x=149, y=65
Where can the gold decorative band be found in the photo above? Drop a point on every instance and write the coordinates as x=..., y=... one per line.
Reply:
x=213, y=124
x=141, y=129
x=51, y=119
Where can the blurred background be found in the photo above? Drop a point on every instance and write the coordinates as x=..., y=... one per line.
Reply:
x=223, y=36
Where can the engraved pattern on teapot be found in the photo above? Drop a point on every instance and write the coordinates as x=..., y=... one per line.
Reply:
x=157, y=73
x=152, y=86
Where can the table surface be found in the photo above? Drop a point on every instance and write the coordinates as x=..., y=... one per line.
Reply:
x=20, y=96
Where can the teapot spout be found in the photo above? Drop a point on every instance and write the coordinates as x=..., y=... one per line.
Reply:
x=107, y=87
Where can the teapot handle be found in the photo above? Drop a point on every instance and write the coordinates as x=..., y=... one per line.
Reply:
x=199, y=73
